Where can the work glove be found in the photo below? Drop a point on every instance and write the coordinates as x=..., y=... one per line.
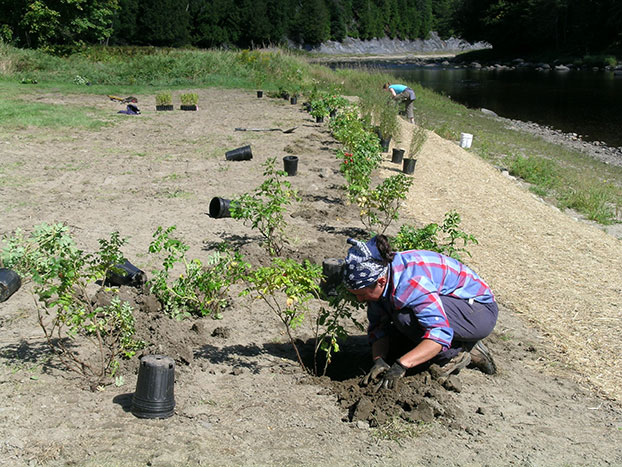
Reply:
x=389, y=381
x=380, y=366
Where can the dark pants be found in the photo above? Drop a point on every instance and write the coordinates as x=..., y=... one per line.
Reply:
x=408, y=97
x=470, y=322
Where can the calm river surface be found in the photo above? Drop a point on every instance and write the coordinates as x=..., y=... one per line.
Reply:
x=588, y=103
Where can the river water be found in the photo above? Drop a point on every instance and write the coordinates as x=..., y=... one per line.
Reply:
x=588, y=103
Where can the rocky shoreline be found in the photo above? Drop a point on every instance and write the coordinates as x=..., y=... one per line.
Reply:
x=385, y=46
x=595, y=149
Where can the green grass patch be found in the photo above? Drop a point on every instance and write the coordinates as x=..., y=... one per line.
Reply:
x=20, y=113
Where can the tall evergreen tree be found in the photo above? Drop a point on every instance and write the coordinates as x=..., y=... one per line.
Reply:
x=214, y=23
x=163, y=23
x=314, y=22
x=338, y=20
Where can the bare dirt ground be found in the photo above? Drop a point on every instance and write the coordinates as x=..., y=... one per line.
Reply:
x=241, y=398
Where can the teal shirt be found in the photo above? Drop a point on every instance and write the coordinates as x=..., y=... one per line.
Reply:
x=398, y=88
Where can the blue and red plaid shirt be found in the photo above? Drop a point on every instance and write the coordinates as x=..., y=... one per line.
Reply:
x=411, y=301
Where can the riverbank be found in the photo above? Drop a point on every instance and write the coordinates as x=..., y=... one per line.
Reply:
x=595, y=149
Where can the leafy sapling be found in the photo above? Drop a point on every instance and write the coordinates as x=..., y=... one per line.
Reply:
x=64, y=278
x=200, y=289
x=264, y=208
x=286, y=286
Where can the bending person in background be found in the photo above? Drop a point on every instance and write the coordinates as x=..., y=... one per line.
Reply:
x=422, y=307
x=403, y=93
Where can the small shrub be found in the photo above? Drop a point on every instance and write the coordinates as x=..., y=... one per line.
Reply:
x=427, y=238
x=264, y=208
x=387, y=119
x=164, y=98
x=200, y=289
x=380, y=207
x=67, y=312
x=191, y=98
x=319, y=108
x=419, y=137
x=330, y=326
x=286, y=286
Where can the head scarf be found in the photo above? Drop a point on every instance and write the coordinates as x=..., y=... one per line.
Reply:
x=364, y=264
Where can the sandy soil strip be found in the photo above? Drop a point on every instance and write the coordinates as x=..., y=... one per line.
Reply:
x=562, y=275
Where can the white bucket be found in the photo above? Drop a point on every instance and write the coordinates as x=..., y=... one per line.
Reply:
x=466, y=139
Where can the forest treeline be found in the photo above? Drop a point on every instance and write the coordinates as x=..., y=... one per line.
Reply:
x=519, y=26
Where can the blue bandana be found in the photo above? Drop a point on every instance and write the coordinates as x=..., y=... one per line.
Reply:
x=364, y=264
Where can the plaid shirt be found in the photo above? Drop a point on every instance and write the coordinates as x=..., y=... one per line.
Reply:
x=411, y=300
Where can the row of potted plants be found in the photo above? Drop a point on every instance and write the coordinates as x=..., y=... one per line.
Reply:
x=189, y=101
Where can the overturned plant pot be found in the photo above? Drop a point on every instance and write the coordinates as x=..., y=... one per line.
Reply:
x=219, y=207
x=125, y=274
x=10, y=282
x=409, y=166
x=154, y=396
x=398, y=155
x=290, y=164
x=188, y=107
x=332, y=270
x=240, y=154
x=164, y=107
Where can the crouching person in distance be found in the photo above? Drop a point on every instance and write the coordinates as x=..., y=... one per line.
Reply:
x=422, y=307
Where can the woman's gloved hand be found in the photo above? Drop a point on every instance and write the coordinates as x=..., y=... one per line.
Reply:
x=380, y=367
x=391, y=377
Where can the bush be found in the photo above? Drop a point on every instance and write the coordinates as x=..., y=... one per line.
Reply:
x=264, y=209
x=191, y=98
x=66, y=309
x=200, y=290
x=427, y=238
x=164, y=98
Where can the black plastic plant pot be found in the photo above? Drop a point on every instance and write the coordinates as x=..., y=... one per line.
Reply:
x=384, y=143
x=154, y=396
x=188, y=107
x=398, y=155
x=293, y=100
x=286, y=96
x=126, y=274
x=219, y=207
x=259, y=94
x=333, y=113
x=240, y=154
x=290, y=164
x=319, y=119
x=164, y=107
x=10, y=282
x=306, y=106
x=409, y=166
x=332, y=269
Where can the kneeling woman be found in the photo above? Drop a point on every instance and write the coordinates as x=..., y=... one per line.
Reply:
x=436, y=305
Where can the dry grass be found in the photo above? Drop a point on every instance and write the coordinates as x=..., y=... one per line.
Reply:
x=564, y=276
